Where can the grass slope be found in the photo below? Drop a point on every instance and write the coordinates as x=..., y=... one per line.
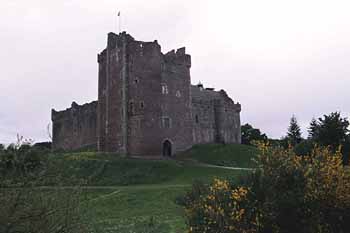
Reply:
x=111, y=170
x=233, y=155
x=136, y=195
x=132, y=209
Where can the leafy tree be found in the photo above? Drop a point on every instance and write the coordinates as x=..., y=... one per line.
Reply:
x=2, y=147
x=294, y=132
x=331, y=130
x=250, y=134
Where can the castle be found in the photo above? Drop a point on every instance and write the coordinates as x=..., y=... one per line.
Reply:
x=146, y=105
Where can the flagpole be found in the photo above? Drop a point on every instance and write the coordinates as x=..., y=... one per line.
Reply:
x=119, y=22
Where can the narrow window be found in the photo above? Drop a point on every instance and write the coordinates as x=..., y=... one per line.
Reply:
x=165, y=90
x=131, y=107
x=142, y=105
x=196, y=118
x=136, y=80
x=166, y=122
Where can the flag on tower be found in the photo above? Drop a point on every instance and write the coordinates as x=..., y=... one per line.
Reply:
x=118, y=13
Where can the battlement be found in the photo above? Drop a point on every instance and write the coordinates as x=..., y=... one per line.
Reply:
x=85, y=108
x=178, y=57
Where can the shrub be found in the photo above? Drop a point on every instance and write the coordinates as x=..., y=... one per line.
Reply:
x=286, y=194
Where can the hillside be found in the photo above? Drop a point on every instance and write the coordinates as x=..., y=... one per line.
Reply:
x=232, y=155
x=137, y=195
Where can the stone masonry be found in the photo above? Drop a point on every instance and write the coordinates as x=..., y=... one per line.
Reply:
x=146, y=105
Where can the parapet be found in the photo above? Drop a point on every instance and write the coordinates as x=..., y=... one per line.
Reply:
x=178, y=57
x=117, y=39
x=86, y=108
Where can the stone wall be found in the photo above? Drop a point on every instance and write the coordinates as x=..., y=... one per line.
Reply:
x=75, y=127
x=216, y=118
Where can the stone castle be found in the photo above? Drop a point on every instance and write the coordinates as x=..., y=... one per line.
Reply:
x=146, y=105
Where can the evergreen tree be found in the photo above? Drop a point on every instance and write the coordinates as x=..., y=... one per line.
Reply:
x=294, y=132
x=313, y=128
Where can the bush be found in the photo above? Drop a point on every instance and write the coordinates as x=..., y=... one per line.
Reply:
x=305, y=147
x=286, y=194
x=27, y=207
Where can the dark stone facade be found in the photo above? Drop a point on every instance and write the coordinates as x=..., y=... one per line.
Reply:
x=75, y=127
x=147, y=105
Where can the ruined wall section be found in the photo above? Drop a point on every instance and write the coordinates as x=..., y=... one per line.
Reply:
x=75, y=127
x=176, y=100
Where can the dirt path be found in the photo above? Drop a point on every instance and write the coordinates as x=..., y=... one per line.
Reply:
x=225, y=167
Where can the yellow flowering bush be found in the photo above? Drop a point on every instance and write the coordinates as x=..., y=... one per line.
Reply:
x=220, y=207
x=287, y=193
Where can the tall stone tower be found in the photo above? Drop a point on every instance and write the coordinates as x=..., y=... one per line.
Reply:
x=144, y=104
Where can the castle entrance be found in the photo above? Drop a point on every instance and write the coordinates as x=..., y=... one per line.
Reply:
x=167, y=148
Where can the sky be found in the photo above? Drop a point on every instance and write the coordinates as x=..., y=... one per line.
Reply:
x=277, y=58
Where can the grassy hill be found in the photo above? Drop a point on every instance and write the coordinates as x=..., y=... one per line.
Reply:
x=137, y=195
x=233, y=155
x=98, y=169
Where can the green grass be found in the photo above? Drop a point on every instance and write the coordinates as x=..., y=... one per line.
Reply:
x=134, y=209
x=137, y=195
x=234, y=155
x=111, y=170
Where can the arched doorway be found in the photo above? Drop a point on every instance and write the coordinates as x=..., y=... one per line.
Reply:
x=167, y=148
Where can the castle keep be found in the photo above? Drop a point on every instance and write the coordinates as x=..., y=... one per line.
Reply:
x=146, y=105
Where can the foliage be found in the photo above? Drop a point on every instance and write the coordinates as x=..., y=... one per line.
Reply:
x=250, y=134
x=25, y=206
x=286, y=194
x=331, y=130
x=294, y=132
x=304, y=148
x=25, y=209
x=22, y=157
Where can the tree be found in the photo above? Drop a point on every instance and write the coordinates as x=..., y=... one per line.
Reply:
x=250, y=134
x=2, y=147
x=294, y=133
x=331, y=130
x=313, y=129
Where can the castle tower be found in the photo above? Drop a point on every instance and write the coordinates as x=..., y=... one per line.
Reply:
x=144, y=103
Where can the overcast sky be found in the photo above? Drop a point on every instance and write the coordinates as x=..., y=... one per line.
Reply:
x=276, y=58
